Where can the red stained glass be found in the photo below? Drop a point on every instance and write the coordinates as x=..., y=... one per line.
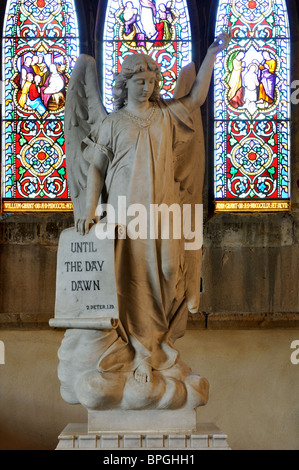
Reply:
x=40, y=48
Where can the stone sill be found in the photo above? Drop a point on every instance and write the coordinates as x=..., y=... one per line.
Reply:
x=198, y=321
x=243, y=321
x=24, y=321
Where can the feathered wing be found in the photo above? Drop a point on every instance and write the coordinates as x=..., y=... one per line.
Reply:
x=84, y=111
x=189, y=172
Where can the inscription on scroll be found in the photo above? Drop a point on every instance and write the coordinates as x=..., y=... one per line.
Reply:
x=85, y=284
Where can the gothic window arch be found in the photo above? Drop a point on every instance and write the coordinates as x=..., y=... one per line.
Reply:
x=252, y=108
x=40, y=45
x=159, y=28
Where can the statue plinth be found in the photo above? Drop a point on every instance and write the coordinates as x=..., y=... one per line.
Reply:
x=142, y=421
x=206, y=436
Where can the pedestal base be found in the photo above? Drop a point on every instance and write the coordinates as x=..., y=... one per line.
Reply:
x=142, y=421
x=205, y=437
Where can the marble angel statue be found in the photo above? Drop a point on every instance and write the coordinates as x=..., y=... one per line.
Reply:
x=147, y=151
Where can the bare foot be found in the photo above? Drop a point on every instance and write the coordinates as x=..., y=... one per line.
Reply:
x=143, y=373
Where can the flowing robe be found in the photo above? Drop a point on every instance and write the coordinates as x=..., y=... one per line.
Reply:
x=267, y=86
x=25, y=91
x=147, y=14
x=236, y=91
x=34, y=100
x=164, y=32
x=149, y=272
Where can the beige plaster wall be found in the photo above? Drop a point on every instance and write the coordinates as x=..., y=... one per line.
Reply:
x=254, y=387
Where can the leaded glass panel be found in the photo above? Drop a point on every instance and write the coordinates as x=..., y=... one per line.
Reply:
x=252, y=107
x=158, y=28
x=40, y=47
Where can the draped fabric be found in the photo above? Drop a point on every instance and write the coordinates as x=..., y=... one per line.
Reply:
x=149, y=271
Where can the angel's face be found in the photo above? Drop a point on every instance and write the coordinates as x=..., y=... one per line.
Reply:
x=141, y=87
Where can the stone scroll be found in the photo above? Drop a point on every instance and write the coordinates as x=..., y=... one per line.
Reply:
x=86, y=295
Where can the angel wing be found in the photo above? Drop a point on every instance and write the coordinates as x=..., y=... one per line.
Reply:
x=84, y=111
x=189, y=167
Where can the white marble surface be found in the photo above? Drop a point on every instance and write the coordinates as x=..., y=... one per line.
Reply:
x=85, y=282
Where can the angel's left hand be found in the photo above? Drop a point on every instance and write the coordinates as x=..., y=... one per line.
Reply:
x=221, y=42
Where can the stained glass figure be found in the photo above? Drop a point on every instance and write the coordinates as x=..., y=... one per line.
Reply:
x=40, y=47
x=158, y=28
x=252, y=107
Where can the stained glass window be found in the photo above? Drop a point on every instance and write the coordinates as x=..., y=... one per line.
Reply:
x=40, y=47
x=158, y=28
x=252, y=108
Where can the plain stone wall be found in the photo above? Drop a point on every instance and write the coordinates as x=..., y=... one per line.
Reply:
x=253, y=388
x=250, y=270
x=28, y=252
x=250, y=264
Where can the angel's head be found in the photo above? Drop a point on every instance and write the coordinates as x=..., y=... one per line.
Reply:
x=133, y=65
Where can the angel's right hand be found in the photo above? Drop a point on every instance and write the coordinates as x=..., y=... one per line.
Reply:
x=83, y=225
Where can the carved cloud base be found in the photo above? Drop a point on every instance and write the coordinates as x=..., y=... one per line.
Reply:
x=173, y=389
x=205, y=437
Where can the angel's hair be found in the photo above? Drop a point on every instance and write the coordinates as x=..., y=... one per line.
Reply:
x=134, y=63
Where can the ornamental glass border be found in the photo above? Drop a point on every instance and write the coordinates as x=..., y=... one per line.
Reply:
x=40, y=45
x=252, y=108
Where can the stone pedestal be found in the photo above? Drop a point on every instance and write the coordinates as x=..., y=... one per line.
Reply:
x=142, y=421
x=204, y=437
